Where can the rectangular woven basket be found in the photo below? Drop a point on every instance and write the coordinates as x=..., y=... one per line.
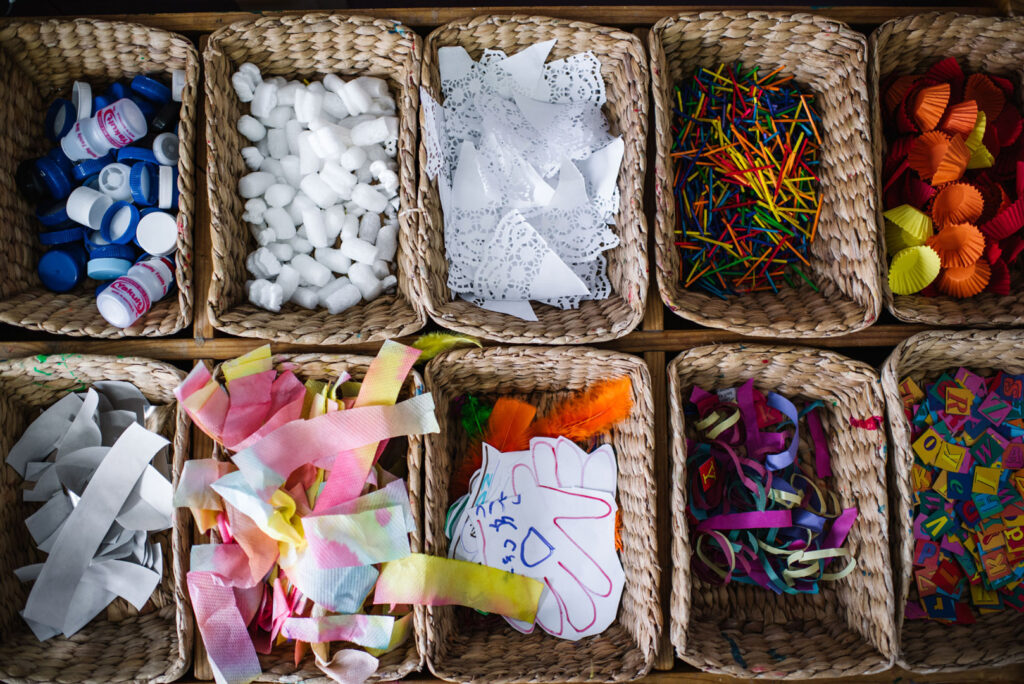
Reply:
x=465, y=646
x=909, y=46
x=306, y=46
x=279, y=665
x=38, y=62
x=122, y=644
x=624, y=69
x=829, y=60
x=924, y=645
x=746, y=631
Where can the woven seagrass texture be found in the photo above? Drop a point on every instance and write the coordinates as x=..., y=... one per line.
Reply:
x=624, y=68
x=121, y=644
x=461, y=644
x=404, y=458
x=909, y=46
x=38, y=62
x=307, y=46
x=829, y=60
x=746, y=631
x=923, y=645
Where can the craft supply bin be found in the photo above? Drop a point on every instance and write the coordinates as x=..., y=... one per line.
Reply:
x=307, y=46
x=909, y=46
x=38, y=62
x=828, y=60
x=279, y=665
x=624, y=69
x=923, y=645
x=122, y=644
x=746, y=631
x=462, y=645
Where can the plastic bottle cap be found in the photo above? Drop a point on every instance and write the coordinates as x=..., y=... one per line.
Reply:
x=99, y=102
x=168, y=178
x=165, y=149
x=87, y=206
x=81, y=98
x=94, y=240
x=118, y=90
x=147, y=108
x=65, y=164
x=108, y=269
x=62, y=269
x=157, y=233
x=113, y=181
x=57, y=182
x=54, y=215
x=61, y=237
x=177, y=84
x=128, y=155
x=143, y=184
x=92, y=182
x=113, y=252
x=119, y=223
x=90, y=167
x=151, y=89
x=60, y=117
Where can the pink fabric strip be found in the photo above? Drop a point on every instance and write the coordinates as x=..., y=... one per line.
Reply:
x=747, y=521
x=822, y=459
x=228, y=646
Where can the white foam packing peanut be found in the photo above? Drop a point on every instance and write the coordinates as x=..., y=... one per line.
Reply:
x=321, y=194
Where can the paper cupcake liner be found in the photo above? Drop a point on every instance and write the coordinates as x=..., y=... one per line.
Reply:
x=991, y=195
x=1008, y=126
x=957, y=203
x=1004, y=84
x=1007, y=222
x=916, y=224
x=897, y=155
x=905, y=121
x=1019, y=183
x=960, y=118
x=965, y=281
x=929, y=105
x=988, y=95
x=898, y=90
x=916, y=192
x=912, y=269
x=999, y=281
x=939, y=158
x=946, y=70
x=958, y=245
x=977, y=134
x=1005, y=168
x=1011, y=248
x=993, y=251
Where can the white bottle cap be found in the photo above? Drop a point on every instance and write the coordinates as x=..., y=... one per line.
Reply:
x=113, y=182
x=177, y=84
x=165, y=197
x=157, y=233
x=165, y=149
x=81, y=98
x=87, y=206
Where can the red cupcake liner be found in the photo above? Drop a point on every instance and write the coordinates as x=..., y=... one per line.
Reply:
x=1006, y=222
x=999, y=281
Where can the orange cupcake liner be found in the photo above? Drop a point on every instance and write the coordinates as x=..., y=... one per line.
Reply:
x=939, y=158
x=930, y=104
x=960, y=118
x=898, y=90
x=957, y=203
x=958, y=245
x=965, y=281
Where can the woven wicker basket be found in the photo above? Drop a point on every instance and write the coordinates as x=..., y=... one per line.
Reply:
x=279, y=665
x=624, y=68
x=923, y=645
x=154, y=645
x=745, y=631
x=38, y=62
x=464, y=646
x=908, y=46
x=306, y=46
x=827, y=59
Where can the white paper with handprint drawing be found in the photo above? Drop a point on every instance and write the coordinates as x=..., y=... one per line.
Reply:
x=533, y=516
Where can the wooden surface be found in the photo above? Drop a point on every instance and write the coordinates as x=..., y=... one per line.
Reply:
x=660, y=337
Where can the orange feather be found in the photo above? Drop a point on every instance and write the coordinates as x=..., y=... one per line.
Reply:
x=595, y=411
x=508, y=429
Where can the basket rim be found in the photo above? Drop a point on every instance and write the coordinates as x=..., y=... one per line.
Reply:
x=406, y=314
x=672, y=295
x=682, y=587
x=906, y=308
x=478, y=322
x=182, y=309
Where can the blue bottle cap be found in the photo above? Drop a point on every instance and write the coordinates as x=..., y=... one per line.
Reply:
x=117, y=90
x=62, y=269
x=93, y=182
x=119, y=223
x=99, y=102
x=108, y=269
x=90, y=167
x=60, y=117
x=103, y=286
x=131, y=154
x=65, y=164
x=148, y=108
x=113, y=252
x=151, y=89
x=53, y=215
x=148, y=210
x=63, y=236
x=57, y=182
x=144, y=183
x=93, y=241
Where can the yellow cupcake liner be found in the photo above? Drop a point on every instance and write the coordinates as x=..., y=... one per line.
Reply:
x=913, y=269
x=906, y=226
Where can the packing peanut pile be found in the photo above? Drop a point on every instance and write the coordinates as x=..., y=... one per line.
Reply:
x=322, y=193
